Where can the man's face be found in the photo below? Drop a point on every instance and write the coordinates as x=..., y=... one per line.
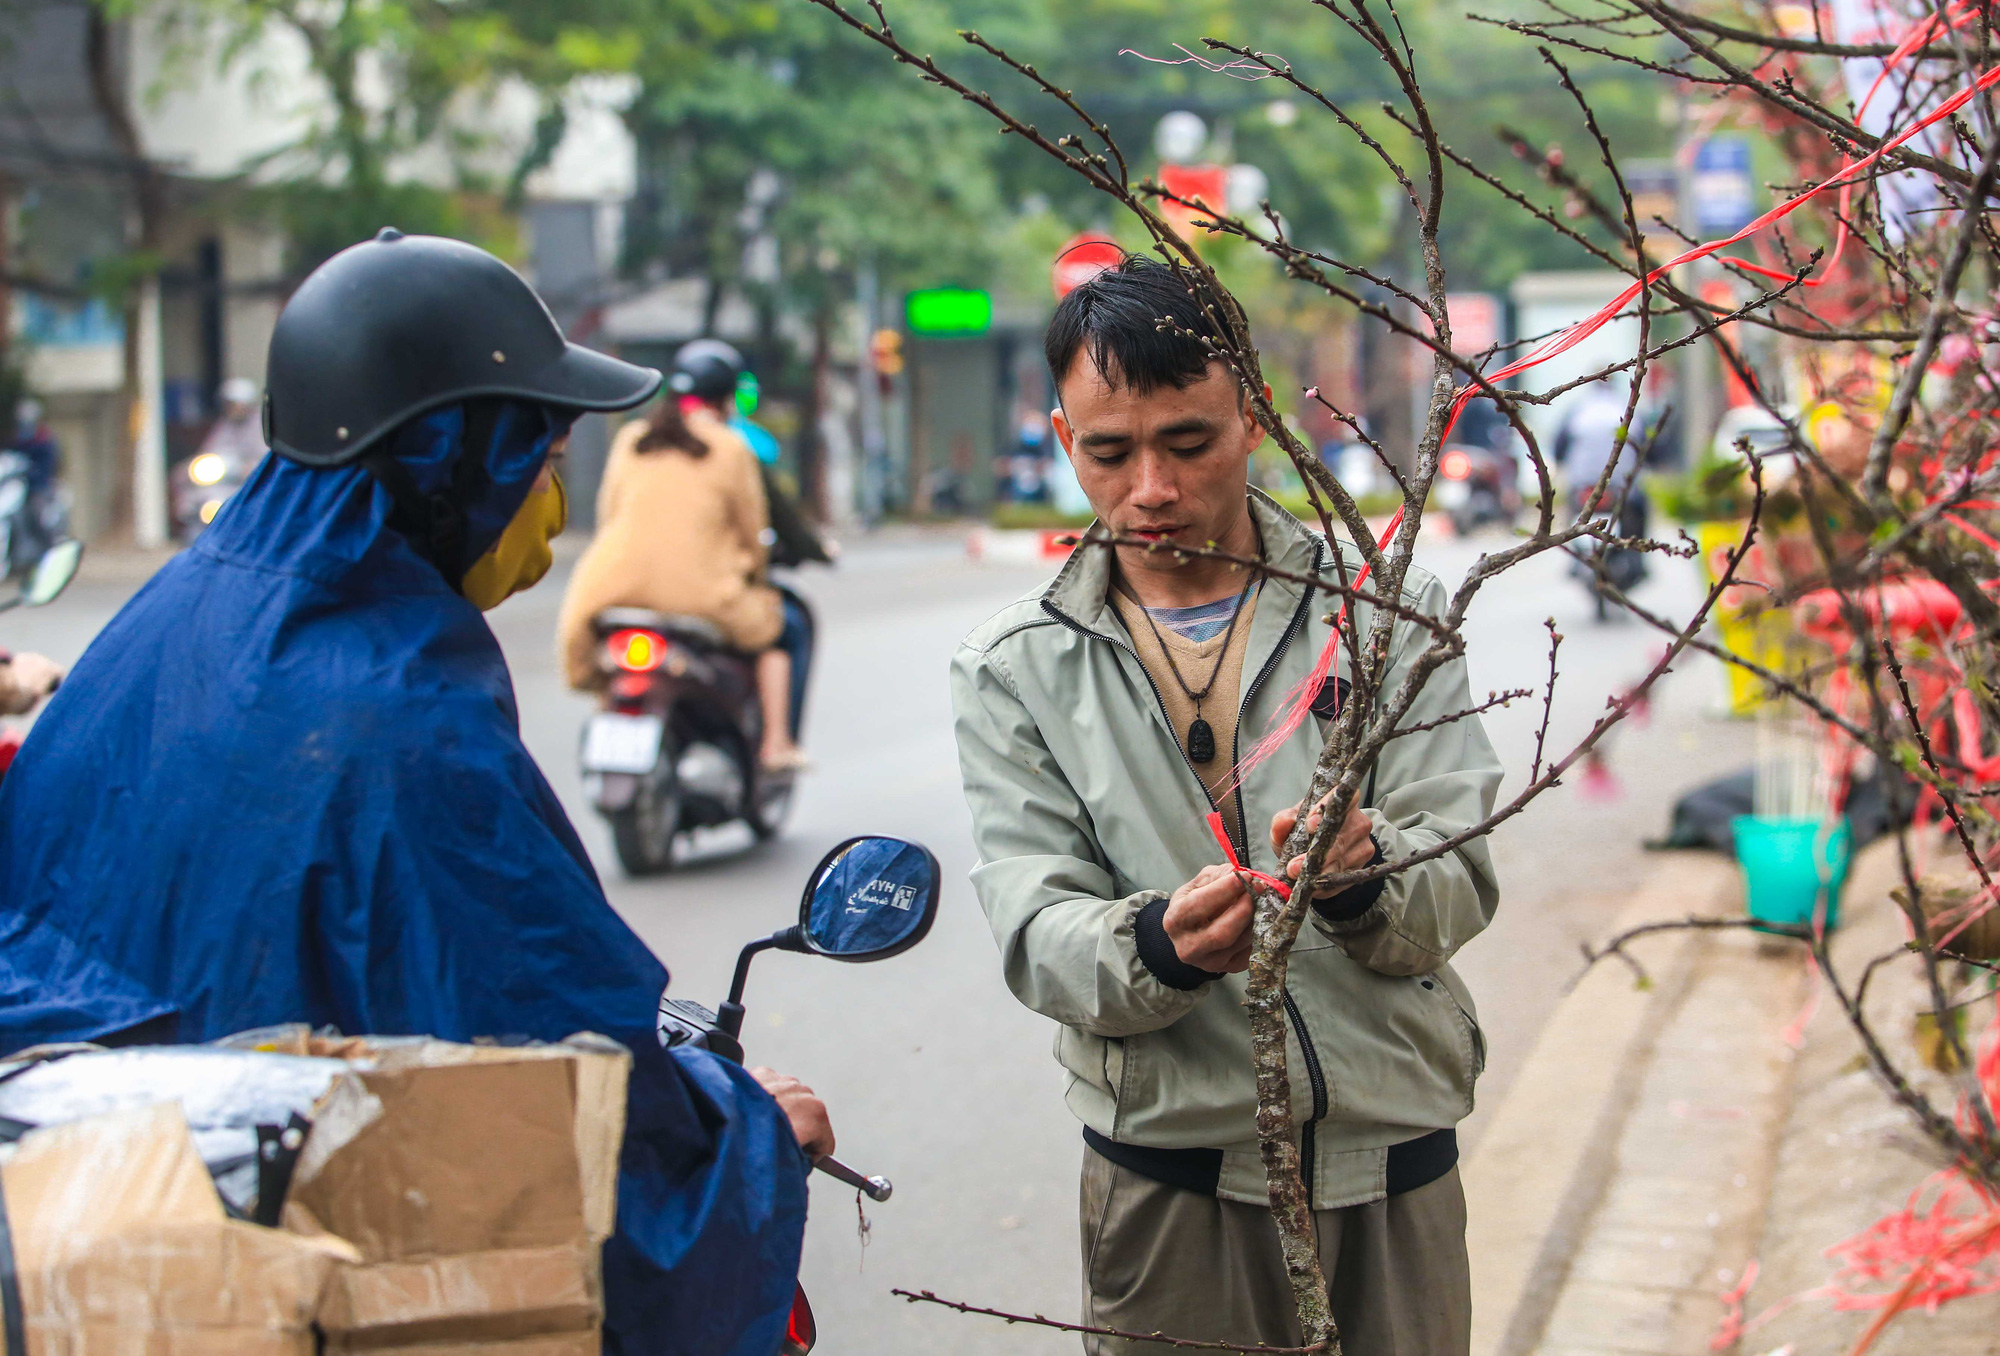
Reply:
x=1170, y=465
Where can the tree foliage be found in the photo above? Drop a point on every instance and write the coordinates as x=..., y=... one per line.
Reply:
x=401, y=85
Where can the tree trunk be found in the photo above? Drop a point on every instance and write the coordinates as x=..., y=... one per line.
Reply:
x=1276, y=929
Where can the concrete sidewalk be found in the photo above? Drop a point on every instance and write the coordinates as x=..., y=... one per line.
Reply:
x=1667, y=1133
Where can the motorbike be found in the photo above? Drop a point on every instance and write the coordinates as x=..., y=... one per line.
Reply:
x=201, y=485
x=1477, y=486
x=869, y=899
x=29, y=524
x=675, y=746
x=1595, y=563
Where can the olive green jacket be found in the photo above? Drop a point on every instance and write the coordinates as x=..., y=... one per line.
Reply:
x=1085, y=809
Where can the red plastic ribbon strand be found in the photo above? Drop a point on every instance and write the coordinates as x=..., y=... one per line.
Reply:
x=1278, y=887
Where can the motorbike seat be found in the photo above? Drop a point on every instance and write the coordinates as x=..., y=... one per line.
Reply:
x=693, y=630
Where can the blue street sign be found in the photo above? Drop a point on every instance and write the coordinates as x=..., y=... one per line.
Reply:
x=1723, y=196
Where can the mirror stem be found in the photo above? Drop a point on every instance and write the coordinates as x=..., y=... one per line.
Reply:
x=735, y=1001
x=730, y=1015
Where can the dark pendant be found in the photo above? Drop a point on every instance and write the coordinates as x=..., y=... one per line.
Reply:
x=1201, y=742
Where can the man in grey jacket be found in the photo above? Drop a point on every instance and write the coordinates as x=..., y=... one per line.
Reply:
x=1098, y=721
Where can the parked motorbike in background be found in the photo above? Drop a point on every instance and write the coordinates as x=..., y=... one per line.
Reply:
x=869, y=899
x=1477, y=486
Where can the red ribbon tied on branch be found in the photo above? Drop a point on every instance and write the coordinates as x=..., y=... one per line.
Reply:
x=1277, y=887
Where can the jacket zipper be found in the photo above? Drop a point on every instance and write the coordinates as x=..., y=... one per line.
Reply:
x=1316, y=1077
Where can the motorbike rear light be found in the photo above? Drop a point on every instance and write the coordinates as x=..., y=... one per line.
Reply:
x=631, y=689
x=637, y=651
x=800, y=1330
x=1455, y=465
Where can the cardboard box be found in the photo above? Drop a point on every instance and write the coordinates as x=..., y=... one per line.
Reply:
x=123, y=1248
x=476, y=1183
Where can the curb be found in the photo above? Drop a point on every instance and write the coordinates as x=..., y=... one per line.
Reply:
x=1017, y=546
x=1542, y=1165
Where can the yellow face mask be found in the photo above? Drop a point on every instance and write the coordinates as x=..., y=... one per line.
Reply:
x=522, y=555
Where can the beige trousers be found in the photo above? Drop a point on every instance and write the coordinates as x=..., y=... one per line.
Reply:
x=1160, y=1259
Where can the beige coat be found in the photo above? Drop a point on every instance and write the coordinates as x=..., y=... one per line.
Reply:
x=675, y=533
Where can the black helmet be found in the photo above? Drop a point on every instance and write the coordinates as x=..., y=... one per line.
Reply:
x=706, y=369
x=398, y=325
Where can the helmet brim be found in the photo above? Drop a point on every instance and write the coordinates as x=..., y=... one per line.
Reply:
x=579, y=379
x=584, y=379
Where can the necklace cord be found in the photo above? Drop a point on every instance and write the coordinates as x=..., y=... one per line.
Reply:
x=1221, y=654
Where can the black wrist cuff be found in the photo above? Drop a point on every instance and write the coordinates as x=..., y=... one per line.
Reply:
x=1157, y=954
x=1355, y=900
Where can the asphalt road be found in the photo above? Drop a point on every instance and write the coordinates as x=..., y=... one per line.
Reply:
x=936, y=1076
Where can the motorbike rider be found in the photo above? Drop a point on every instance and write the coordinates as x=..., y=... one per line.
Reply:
x=1587, y=442
x=683, y=526
x=47, y=517
x=34, y=440
x=287, y=783
x=237, y=436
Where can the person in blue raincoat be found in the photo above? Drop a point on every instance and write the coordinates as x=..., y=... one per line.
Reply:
x=286, y=783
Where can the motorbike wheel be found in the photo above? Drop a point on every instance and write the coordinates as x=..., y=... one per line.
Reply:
x=771, y=805
x=643, y=831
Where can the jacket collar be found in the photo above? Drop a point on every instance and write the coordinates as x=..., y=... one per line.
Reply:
x=1081, y=591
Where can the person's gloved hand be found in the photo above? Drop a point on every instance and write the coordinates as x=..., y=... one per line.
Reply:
x=802, y=1108
x=25, y=679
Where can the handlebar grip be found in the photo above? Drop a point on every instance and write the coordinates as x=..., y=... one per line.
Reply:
x=874, y=1188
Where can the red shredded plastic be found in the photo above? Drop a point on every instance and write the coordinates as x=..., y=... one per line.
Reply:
x=1943, y=1245
x=1280, y=888
x=1730, y=1330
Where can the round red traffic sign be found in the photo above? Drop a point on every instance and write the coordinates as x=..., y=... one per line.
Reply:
x=1085, y=256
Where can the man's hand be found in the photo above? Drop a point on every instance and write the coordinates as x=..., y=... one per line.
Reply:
x=1351, y=850
x=27, y=678
x=1208, y=921
x=806, y=1112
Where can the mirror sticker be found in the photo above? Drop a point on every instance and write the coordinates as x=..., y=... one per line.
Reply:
x=879, y=893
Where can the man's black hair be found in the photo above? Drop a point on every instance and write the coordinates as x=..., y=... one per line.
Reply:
x=1117, y=316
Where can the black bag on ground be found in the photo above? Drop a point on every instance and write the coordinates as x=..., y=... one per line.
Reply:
x=1702, y=817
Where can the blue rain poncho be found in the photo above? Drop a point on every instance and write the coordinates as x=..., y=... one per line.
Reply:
x=286, y=784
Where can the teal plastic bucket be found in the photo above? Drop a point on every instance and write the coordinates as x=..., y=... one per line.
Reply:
x=1785, y=860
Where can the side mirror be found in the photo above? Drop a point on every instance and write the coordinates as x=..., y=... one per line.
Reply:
x=870, y=899
x=52, y=573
